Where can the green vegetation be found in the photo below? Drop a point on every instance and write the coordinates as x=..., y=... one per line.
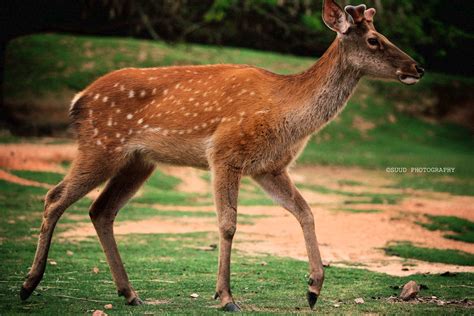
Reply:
x=358, y=198
x=349, y=183
x=459, y=185
x=449, y=256
x=166, y=269
x=459, y=228
x=50, y=63
x=354, y=210
x=39, y=176
x=386, y=138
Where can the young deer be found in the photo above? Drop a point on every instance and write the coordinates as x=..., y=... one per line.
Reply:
x=234, y=120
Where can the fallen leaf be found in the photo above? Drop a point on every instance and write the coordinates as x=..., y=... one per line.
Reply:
x=108, y=306
x=98, y=312
x=194, y=295
x=359, y=300
x=95, y=270
x=53, y=263
x=337, y=305
x=69, y=253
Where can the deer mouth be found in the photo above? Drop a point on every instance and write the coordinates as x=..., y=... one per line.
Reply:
x=409, y=80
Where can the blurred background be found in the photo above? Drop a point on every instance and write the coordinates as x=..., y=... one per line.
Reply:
x=368, y=215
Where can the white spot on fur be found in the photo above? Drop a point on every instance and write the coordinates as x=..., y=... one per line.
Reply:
x=142, y=93
x=104, y=99
x=131, y=94
x=140, y=121
x=96, y=96
x=129, y=116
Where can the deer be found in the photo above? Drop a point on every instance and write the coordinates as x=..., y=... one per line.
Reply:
x=234, y=120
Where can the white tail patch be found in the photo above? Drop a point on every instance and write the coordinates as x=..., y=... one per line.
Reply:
x=75, y=99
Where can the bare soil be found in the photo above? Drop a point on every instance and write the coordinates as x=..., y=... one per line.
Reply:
x=345, y=238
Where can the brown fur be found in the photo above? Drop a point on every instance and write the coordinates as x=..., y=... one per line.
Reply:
x=235, y=120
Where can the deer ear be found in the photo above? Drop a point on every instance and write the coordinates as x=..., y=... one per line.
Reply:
x=334, y=17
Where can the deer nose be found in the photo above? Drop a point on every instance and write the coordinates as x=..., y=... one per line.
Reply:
x=420, y=70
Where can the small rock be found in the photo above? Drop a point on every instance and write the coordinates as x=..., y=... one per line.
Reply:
x=409, y=291
x=69, y=253
x=337, y=305
x=95, y=270
x=53, y=263
x=359, y=300
x=326, y=263
x=263, y=263
x=98, y=312
x=108, y=306
x=194, y=295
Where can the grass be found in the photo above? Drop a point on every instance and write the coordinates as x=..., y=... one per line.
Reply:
x=39, y=176
x=351, y=183
x=449, y=256
x=459, y=228
x=357, y=211
x=361, y=198
x=166, y=269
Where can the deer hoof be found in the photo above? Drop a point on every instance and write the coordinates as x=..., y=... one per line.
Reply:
x=25, y=293
x=312, y=299
x=136, y=301
x=231, y=307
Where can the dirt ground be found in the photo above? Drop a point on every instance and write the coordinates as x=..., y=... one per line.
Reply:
x=345, y=238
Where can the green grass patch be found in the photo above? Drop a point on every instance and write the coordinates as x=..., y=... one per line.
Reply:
x=46, y=63
x=362, y=198
x=436, y=183
x=161, y=181
x=351, y=183
x=459, y=228
x=353, y=210
x=396, y=140
x=449, y=256
x=39, y=176
x=169, y=267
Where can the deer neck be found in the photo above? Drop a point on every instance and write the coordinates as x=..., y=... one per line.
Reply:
x=322, y=91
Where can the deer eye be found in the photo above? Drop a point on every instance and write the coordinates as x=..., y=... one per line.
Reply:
x=373, y=41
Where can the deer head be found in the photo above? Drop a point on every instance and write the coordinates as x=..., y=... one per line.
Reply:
x=367, y=50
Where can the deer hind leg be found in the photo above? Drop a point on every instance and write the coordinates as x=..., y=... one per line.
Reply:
x=85, y=174
x=226, y=188
x=280, y=187
x=117, y=192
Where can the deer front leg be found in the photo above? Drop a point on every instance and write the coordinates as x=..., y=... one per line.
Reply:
x=280, y=187
x=226, y=187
